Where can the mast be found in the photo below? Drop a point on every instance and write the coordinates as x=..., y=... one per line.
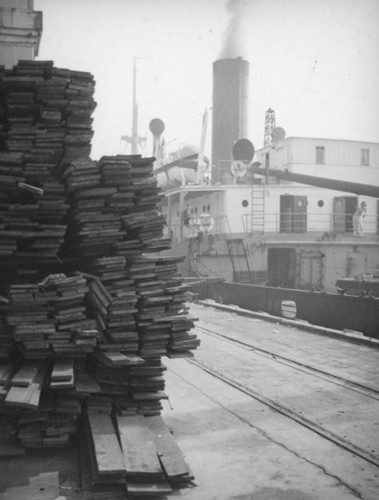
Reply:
x=135, y=138
x=200, y=158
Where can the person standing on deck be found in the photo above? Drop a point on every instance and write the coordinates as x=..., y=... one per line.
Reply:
x=359, y=215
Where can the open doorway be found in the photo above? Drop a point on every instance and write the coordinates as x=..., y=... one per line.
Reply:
x=344, y=208
x=281, y=266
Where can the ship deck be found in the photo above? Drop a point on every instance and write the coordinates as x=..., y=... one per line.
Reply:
x=263, y=411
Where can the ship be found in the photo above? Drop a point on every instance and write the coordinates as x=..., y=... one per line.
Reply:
x=284, y=216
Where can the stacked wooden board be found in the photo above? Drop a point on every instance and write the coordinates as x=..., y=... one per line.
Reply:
x=136, y=452
x=38, y=412
x=50, y=319
x=46, y=119
x=83, y=288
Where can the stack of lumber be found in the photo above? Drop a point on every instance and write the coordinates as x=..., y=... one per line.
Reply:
x=116, y=172
x=180, y=341
x=146, y=227
x=46, y=118
x=28, y=318
x=40, y=402
x=75, y=334
x=111, y=271
x=51, y=425
x=120, y=221
x=151, y=305
x=130, y=384
x=85, y=315
x=93, y=226
x=78, y=113
x=23, y=401
x=32, y=225
x=92, y=231
x=6, y=338
x=113, y=207
x=147, y=386
x=49, y=319
x=138, y=453
x=115, y=317
x=80, y=173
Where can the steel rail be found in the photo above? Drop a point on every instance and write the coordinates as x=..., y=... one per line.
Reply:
x=305, y=422
x=311, y=370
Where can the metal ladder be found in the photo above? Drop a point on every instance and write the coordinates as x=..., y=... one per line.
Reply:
x=258, y=192
x=236, y=249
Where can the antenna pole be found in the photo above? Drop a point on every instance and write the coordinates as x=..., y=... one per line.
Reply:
x=269, y=127
x=200, y=156
x=134, y=110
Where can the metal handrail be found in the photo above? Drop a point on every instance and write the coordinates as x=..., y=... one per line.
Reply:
x=292, y=222
x=220, y=226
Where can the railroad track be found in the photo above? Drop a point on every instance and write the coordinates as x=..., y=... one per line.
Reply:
x=277, y=406
x=310, y=370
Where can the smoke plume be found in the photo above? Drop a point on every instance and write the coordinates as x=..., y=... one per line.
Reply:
x=232, y=43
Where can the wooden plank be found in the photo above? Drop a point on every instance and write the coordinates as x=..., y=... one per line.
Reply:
x=169, y=453
x=141, y=459
x=148, y=489
x=27, y=396
x=62, y=376
x=24, y=396
x=26, y=374
x=109, y=458
x=84, y=383
x=119, y=359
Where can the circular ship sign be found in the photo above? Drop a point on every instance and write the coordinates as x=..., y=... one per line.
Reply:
x=238, y=168
x=156, y=127
x=243, y=150
x=278, y=134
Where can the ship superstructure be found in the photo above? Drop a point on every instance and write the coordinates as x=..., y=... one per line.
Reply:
x=284, y=219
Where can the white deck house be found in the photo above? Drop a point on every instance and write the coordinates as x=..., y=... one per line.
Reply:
x=258, y=204
x=280, y=232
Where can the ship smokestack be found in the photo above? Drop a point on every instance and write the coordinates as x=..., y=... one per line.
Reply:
x=230, y=89
x=230, y=108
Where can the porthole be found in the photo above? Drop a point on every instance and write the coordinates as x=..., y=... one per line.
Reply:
x=245, y=203
x=320, y=203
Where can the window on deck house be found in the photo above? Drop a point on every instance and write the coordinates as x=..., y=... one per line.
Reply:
x=320, y=154
x=365, y=156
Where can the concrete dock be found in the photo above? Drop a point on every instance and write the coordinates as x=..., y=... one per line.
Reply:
x=255, y=425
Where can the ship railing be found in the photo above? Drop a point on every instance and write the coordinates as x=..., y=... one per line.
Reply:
x=220, y=225
x=222, y=174
x=295, y=222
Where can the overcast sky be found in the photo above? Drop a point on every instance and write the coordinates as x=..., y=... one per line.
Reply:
x=315, y=62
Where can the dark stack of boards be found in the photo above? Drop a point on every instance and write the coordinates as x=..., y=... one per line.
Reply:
x=88, y=308
x=45, y=120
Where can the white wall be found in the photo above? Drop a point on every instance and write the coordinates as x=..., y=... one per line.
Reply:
x=233, y=208
x=227, y=210
x=337, y=152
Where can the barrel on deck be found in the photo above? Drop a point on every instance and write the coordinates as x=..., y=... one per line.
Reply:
x=288, y=309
